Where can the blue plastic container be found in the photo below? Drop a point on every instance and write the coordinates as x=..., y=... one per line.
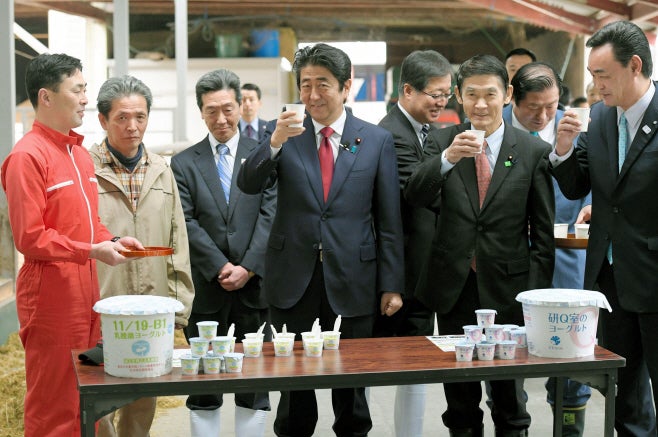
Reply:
x=265, y=43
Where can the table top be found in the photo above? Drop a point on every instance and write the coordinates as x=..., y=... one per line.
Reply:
x=571, y=242
x=358, y=363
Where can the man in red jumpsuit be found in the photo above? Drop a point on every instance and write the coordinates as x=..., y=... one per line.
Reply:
x=52, y=196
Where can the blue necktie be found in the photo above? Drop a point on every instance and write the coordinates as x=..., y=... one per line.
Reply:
x=622, y=144
x=224, y=169
x=534, y=134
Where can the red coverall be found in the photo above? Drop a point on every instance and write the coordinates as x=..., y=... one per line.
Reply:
x=52, y=196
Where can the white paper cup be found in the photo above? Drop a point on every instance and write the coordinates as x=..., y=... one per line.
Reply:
x=495, y=333
x=583, y=116
x=233, y=362
x=582, y=230
x=252, y=347
x=298, y=108
x=485, y=317
x=283, y=346
x=480, y=136
x=507, y=350
x=199, y=346
x=473, y=333
x=519, y=337
x=222, y=345
x=464, y=351
x=211, y=364
x=486, y=351
x=331, y=339
x=560, y=230
x=189, y=364
x=207, y=329
x=313, y=347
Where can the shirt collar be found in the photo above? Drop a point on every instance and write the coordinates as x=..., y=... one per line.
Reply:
x=547, y=134
x=635, y=113
x=416, y=125
x=338, y=126
x=495, y=140
x=232, y=143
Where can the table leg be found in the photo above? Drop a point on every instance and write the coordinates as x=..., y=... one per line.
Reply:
x=610, y=394
x=87, y=421
x=558, y=407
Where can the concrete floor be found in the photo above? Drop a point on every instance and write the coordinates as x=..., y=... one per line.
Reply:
x=175, y=422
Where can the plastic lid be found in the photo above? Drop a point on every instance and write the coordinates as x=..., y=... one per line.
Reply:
x=563, y=297
x=137, y=305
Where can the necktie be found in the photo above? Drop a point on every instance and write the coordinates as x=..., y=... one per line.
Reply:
x=622, y=144
x=534, y=134
x=326, y=160
x=623, y=139
x=251, y=133
x=423, y=134
x=224, y=169
x=483, y=172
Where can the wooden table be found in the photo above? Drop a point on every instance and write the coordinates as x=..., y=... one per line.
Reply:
x=358, y=363
x=571, y=242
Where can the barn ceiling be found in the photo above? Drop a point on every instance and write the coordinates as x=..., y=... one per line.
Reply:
x=450, y=26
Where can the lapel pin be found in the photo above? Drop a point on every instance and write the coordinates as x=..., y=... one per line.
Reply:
x=510, y=161
x=646, y=129
x=242, y=160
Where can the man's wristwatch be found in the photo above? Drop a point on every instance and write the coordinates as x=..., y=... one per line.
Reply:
x=115, y=239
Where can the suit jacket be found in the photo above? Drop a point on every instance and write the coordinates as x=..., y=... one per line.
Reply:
x=359, y=226
x=262, y=125
x=511, y=236
x=569, y=263
x=219, y=233
x=624, y=207
x=418, y=223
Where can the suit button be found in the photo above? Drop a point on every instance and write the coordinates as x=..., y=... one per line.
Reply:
x=480, y=228
x=316, y=246
x=615, y=210
x=323, y=217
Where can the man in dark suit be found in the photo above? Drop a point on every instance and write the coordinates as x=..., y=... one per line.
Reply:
x=616, y=159
x=227, y=231
x=424, y=90
x=336, y=241
x=250, y=125
x=494, y=236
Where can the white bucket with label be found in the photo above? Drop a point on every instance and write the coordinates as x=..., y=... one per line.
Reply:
x=561, y=323
x=138, y=334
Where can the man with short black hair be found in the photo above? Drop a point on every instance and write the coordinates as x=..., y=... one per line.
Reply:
x=251, y=125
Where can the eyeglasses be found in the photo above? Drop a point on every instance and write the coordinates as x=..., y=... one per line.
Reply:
x=438, y=96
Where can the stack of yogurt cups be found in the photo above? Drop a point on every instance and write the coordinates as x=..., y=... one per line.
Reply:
x=211, y=353
x=488, y=340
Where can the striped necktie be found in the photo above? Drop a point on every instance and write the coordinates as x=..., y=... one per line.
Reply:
x=224, y=169
x=423, y=134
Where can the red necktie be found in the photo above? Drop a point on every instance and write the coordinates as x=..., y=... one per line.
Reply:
x=483, y=172
x=326, y=160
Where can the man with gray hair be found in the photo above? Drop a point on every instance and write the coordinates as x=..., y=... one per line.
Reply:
x=424, y=91
x=228, y=233
x=138, y=195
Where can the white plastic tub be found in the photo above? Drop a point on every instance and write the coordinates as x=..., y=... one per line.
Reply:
x=561, y=323
x=138, y=334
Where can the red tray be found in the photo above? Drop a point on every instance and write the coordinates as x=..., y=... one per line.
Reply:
x=148, y=251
